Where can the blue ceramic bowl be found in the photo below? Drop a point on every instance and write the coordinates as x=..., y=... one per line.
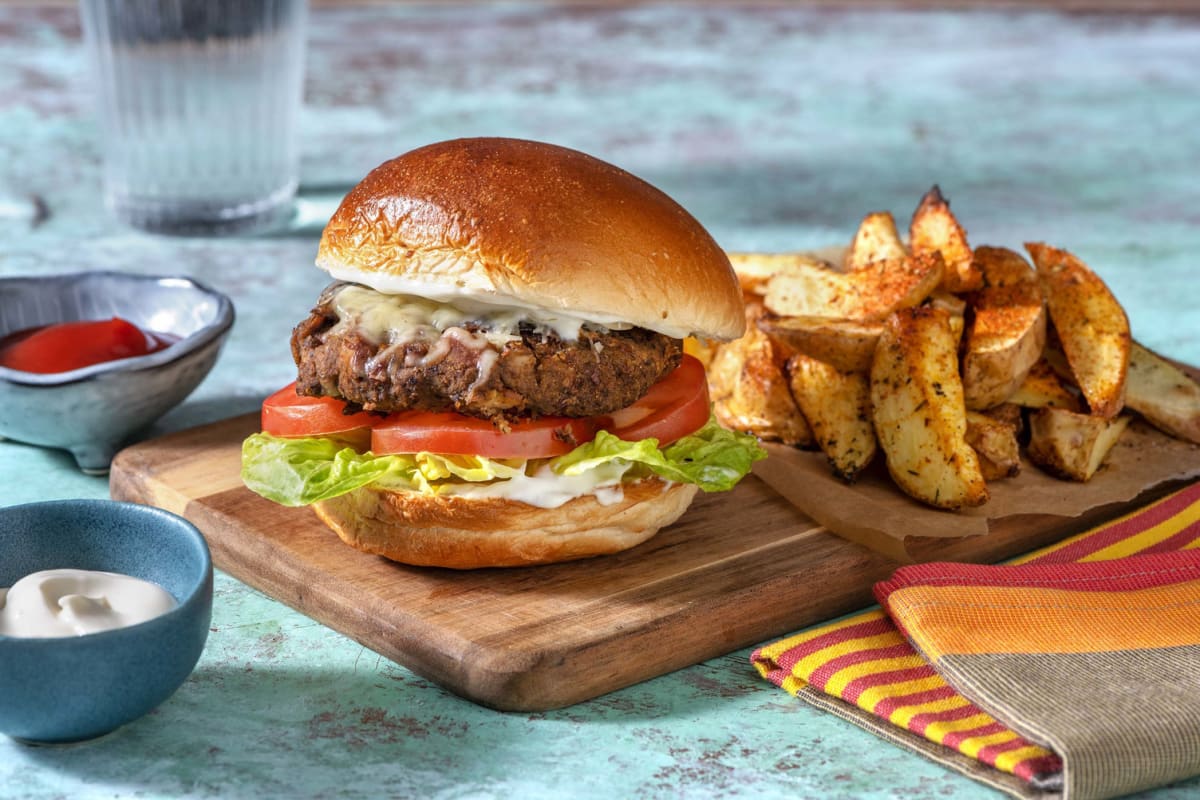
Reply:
x=74, y=688
x=92, y=411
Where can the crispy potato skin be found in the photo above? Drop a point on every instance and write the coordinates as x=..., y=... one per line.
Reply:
x=995, y=442
x=934, y=229
x=750, y=391
x=1043, y=387
x=1000, y=266
x=809, y=290
x=1070, y=445
x=1091, y=325
x=1007, y=333
x=1163, y=394
x=919, y=413
x=945, y=350
x=755, y=270
x=875, y=240
x=845, y=344
x=1009, y=414
x=869, y=293
x=838, y=407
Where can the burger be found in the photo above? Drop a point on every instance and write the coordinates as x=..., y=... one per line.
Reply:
x=496, y=376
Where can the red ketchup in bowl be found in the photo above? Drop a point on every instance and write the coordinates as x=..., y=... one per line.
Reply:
x=72, y=345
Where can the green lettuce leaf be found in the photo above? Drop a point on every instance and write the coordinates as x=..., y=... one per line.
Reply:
x=713, y=458
x=296, y=472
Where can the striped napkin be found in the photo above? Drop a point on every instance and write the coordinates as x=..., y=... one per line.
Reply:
x=1073, y=671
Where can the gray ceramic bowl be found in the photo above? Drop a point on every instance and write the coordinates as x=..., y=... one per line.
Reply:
x=93, y=410
x=75, y=688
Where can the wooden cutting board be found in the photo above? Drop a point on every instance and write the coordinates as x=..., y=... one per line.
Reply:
x=738, y=569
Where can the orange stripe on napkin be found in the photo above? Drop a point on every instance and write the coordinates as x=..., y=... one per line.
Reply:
x=920, y=700
x=947, y=619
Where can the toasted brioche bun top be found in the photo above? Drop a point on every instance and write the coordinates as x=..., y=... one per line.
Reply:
x=517, y=223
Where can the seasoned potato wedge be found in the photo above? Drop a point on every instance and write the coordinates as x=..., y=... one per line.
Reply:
x=1007, y=334
x=932, y=351
x=952, y=303
x=999, y=266
x=1091, y=325
x=935, y=230
x=869, y=293
x=754, y=270
x=884, y=286
x=1163, y=394
x=749, y=389
x=844, y=344
x=838, y=407
x=918, y=410
x=1008, y=413
x=1042, y=387
x=875, y=240
x=1071, y=445
x=995, y=442
x=810, y=290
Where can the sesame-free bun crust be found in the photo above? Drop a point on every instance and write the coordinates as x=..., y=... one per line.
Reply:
x=468, y=533
x=514, y=222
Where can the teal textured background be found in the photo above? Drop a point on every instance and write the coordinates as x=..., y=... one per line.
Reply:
x=779, y=128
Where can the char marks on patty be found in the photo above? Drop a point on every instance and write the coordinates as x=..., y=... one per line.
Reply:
x=535, y=374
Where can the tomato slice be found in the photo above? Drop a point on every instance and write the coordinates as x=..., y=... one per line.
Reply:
x=674, y=407
x=286, y=413
x=72, y=345
x=448, y=433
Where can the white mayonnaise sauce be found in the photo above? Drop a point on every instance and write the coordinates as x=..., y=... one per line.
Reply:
x=545, y=489
x=397, y=319
x=482, y=292
x=72, y=602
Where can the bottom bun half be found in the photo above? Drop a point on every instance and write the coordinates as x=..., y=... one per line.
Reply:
x=468, y=533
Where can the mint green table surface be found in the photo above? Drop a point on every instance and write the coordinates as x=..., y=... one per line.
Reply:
x=779, y=128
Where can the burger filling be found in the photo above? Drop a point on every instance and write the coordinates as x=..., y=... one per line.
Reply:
x=394, y=353
x=544, y=408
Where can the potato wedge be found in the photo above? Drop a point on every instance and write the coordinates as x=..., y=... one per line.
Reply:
x=1070, y=445
x=837, y=406
x=919, y=413
x=884, y=286
x=1091, y=325
x=1042, y=387
x=869, y=293
x=1162, y=393
x=955, y=305
x=1007, y=333
x=754, y=270
x=995, y=442
x=842, y=343
x=999, y=266
x=810, y=290
x=1008, y=413
x=934, y=229
x=750, y=390
x=875, y=240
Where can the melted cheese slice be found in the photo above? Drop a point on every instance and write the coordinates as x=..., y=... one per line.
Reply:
x=394, y=318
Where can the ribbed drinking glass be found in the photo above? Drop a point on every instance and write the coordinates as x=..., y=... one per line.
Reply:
x=198, y=103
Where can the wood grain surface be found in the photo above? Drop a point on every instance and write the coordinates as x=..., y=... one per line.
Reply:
x=737, y=569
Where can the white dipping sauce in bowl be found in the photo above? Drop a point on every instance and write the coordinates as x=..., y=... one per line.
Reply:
x=74, y=602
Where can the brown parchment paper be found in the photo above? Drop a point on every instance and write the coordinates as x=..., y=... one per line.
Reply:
x=875, y=513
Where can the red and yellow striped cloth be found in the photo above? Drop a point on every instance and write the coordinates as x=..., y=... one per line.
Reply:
x=1129, y=585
